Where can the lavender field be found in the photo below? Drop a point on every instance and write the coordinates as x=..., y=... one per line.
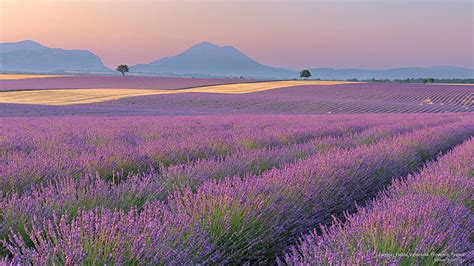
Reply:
x=209, y=173
x=357, y=98
x=276, y=132
x=234, y=189
x=148, y=96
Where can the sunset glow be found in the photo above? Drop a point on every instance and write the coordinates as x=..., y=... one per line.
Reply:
x=296, y=34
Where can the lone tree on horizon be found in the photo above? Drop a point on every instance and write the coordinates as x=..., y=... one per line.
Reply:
x=122, y=69
x=428, y=80
x=305, y=74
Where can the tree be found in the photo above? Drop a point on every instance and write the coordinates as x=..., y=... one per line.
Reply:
x=122, y=69
x=305, y=74
x=428, y=80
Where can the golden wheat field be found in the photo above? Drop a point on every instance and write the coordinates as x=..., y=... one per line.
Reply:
x=27, y=76
x=83, y=96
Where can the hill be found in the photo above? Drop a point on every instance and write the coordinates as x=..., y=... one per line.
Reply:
x=30, y=56
x=201, y=60
x=207, y=59
x=439, y=72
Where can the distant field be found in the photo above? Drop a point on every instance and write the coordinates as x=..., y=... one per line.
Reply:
x=335, y=99
x=82, y=96
x=71, y=96
x=26, y=76
x=189, y=96
x=113, y=82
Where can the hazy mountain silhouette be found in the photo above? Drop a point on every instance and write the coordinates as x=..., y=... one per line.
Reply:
x=212, y=60
x=394, y=73
x=209, y=59
x=30, y=56
x=202, y=59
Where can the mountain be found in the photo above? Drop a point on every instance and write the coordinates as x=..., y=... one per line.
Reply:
x=209, y=59
x=202, y=59
x=440, y=72
x=30, y=56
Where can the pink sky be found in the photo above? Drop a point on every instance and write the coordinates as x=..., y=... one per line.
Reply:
x=296, y=34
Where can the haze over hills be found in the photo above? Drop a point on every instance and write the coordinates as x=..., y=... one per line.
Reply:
x=202, y=59
x=30, y=56
x=440, y=72
x=209, y=59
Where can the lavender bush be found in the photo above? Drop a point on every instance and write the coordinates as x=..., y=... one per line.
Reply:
x=151, y=191
x=424, y=219
x=67, y=195
x=35, y=150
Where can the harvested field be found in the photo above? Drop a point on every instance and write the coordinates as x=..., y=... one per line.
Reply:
x=26, y=76
x=113, y=82
x=82, y=96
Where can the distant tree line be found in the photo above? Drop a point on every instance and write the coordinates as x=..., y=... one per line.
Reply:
x=417, y=80
x=305, y=74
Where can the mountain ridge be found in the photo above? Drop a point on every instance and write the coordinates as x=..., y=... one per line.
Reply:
x=441, y=72
x=31, y=56
x=206, y=58
x=203, y=59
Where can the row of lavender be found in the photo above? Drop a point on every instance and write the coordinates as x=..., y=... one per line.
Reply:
x=235, y=219
x=67, y=195
x=36, y=150
x=424, y=219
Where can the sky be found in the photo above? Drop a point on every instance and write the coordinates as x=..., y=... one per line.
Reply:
x=293, y=34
